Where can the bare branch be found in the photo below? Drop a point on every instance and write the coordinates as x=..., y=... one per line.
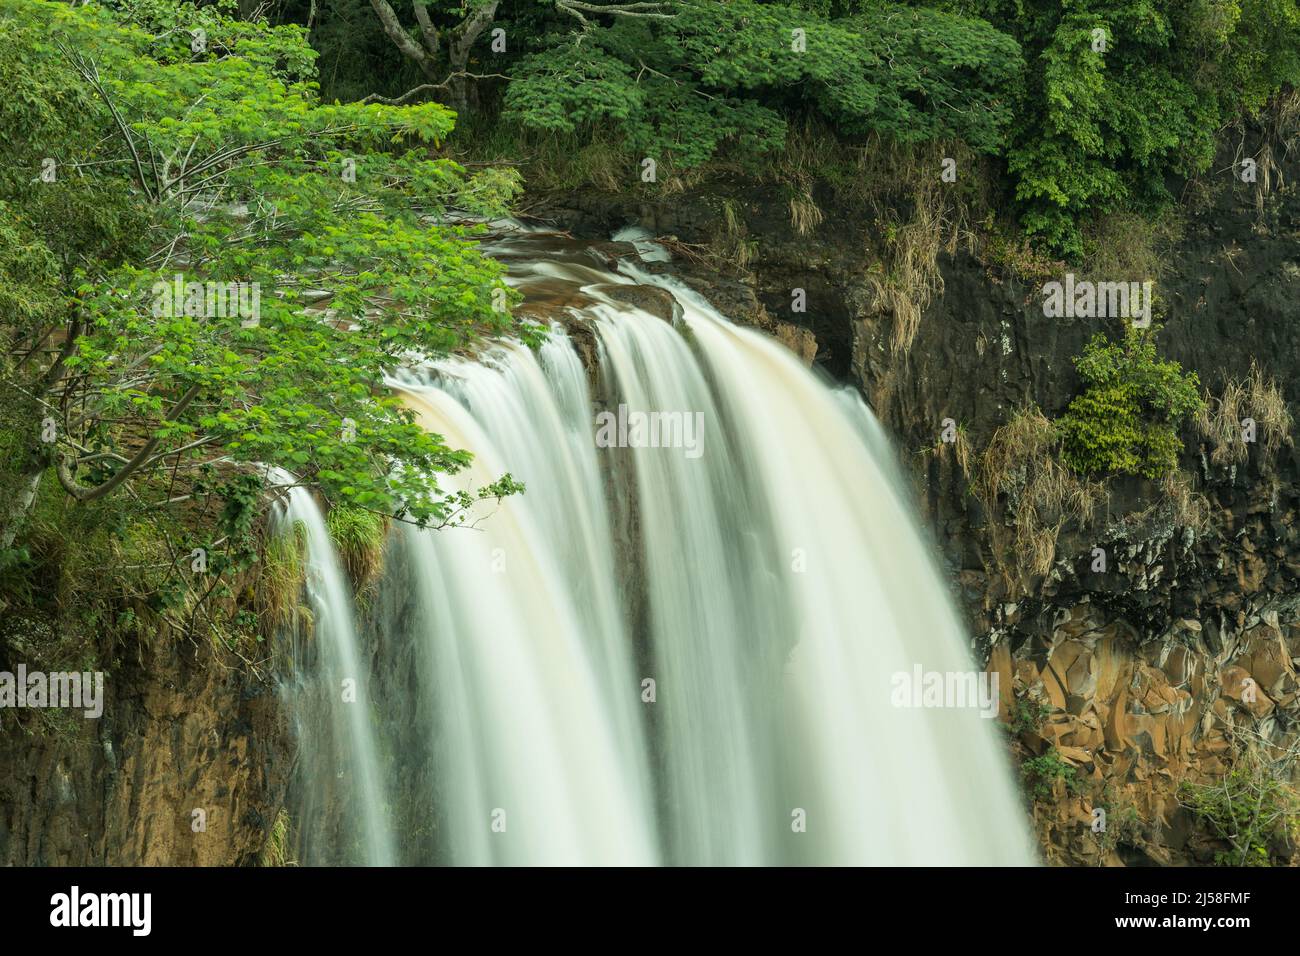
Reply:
x=576, y=8
x=82, y=493
x=90, y=73
x=425, y=87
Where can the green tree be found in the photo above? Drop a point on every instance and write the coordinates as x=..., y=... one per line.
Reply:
x=1121, y=94
x=678, y=78
x=162, y=147
x=441, y=52
x=702, y=73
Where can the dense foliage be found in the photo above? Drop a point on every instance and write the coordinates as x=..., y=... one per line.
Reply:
x=1093, y=106
x=220, y=166
x=205, y=270
x=1119, y=95
x=1126, y=420
x=713, y=72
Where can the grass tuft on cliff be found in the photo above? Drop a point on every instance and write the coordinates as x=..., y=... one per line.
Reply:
x=1021, y=475
x=1257, y=401
x=358, y=536
x=278, y=847
x=280, y=581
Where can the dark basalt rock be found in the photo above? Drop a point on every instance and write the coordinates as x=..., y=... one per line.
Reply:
x=648, y=298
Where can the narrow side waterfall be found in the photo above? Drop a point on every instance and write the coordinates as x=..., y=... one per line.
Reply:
x=678, y=645
x=337, y=741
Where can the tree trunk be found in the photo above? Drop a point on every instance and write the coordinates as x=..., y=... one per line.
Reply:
x=462, y=96
x=460, y=91
x=15, y=511
x=39, y=457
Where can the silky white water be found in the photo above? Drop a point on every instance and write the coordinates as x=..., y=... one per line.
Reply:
x=653, y=656
x=524, y=649
x=345, y=747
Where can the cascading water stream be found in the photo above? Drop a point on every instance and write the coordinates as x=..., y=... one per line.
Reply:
x=668, y=654
x=346, y=748
x=524, y=651
x=863, y=598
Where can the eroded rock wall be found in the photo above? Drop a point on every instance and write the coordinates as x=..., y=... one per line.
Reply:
x=182, y=730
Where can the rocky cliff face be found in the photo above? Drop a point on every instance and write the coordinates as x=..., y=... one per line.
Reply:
x=1125, y=680
x=188, y=764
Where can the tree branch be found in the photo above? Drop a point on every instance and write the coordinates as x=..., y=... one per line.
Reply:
x=82, y=493
x=401, y=39
x=423, y=87
x=90, y=73
x=463, y=36
x=576, y=8
x=427, y=29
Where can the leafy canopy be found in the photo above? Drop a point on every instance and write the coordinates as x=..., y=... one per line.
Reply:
x=1121, y=94
x=710, y=72
x=185, y=142
x=1094, y=105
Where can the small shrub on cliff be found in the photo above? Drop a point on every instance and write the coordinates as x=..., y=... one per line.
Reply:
x=1123, y=827
x=1253, y=808
x=1005, y=251
x=1127, y=419
x=1040, y=774
x=1027, y=717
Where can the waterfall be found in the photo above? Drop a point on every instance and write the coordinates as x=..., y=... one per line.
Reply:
x=523, y=646
x=680, y=654
x=337, y=740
